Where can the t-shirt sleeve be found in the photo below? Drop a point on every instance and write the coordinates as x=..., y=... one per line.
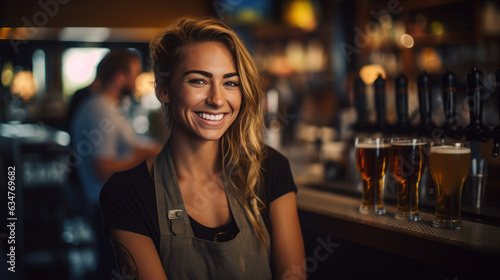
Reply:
x=278, y=176
x=121, y=207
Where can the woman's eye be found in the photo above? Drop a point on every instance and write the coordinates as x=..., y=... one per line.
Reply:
x=197, y=82
x=232, y=84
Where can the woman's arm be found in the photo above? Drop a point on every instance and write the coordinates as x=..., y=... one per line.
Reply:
x=136, y=256
x=287, y=245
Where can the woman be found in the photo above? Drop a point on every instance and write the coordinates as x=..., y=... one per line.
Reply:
x=215, y=203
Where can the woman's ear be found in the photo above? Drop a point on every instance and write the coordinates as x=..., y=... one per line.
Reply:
x=161, y=87
x=163, y=96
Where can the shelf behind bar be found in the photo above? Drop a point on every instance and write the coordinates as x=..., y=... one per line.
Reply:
x=338, y=215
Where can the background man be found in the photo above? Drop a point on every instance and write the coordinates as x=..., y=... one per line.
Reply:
x=103, y=137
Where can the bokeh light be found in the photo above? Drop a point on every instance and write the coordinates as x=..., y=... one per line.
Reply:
x=369, y=73
x=79, y=67
x=407, y=41
x=23, y=85
x=437, y=28
x=300, y=13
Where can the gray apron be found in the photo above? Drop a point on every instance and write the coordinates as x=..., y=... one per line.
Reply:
x=184, y=256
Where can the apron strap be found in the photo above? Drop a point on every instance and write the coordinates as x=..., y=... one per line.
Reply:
x=172, y=221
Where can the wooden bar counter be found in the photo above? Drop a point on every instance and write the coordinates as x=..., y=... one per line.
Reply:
x=416, y=249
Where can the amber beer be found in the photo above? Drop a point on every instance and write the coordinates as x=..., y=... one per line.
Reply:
x=449, y=166
x=372, y=156
x=408, y=160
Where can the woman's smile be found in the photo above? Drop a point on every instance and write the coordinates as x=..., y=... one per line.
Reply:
x=211, y=119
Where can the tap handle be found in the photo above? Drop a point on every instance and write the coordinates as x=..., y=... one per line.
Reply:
x=497, y=76
x=476, y=90
x=380, y=100
x=360, y=99
x=449, y=89
x=496, y=132
x=496, y=147
x=401, y=86
x=424, y=97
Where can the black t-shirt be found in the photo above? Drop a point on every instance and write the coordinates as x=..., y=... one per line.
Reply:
x=128, y=199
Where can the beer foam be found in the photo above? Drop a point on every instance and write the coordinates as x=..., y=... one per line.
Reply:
x=372, y=145
x=450, y=150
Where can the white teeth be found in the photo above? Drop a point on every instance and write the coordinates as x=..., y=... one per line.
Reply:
x=211, y=117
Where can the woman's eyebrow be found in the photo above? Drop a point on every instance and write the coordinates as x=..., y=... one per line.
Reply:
x=204, y=73
x=229, y=75
x=210, y=75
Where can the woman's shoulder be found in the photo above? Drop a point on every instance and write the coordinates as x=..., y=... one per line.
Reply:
x=273, y=154
x=128, y=202
x=277, y=175
x=273, y=158
x=129, y=182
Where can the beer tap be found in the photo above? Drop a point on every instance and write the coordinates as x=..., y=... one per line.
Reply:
x=401, y=86
x=449, y=90
x=382, y=124
x=360, y=104
x=425, y=104
x=476, y=129
x=475, y=133
x=496, y=132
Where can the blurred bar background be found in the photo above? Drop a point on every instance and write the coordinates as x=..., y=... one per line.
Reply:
x=310, y=53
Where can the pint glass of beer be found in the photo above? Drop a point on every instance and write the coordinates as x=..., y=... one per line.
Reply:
x=372, y=156
x=408, y=158
x=449, y=164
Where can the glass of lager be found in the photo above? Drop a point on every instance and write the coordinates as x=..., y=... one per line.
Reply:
x=408, y=157
x=449, y=164
x=372, y=156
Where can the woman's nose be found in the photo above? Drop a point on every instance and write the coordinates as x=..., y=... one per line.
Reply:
x=216, y=97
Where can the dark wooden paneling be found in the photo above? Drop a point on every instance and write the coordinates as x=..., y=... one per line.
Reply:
x=99, y=13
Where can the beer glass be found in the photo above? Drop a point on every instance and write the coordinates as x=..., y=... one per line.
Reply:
x=408, y=159
x=449, y=163
x=372, y=155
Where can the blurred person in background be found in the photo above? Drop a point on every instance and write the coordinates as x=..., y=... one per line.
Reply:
x=216, y=203
x=104, y=139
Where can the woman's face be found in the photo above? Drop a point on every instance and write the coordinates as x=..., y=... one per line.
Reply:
x=204, y=92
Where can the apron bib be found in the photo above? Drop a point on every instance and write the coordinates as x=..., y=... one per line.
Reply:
x=184, y=256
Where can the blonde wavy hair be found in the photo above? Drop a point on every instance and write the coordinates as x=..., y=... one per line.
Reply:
x=242, y=149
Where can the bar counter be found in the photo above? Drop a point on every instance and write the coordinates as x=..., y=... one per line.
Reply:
x=472, y=250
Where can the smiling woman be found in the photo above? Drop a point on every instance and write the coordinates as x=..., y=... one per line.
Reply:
x=204, y=102
x=216, y=203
